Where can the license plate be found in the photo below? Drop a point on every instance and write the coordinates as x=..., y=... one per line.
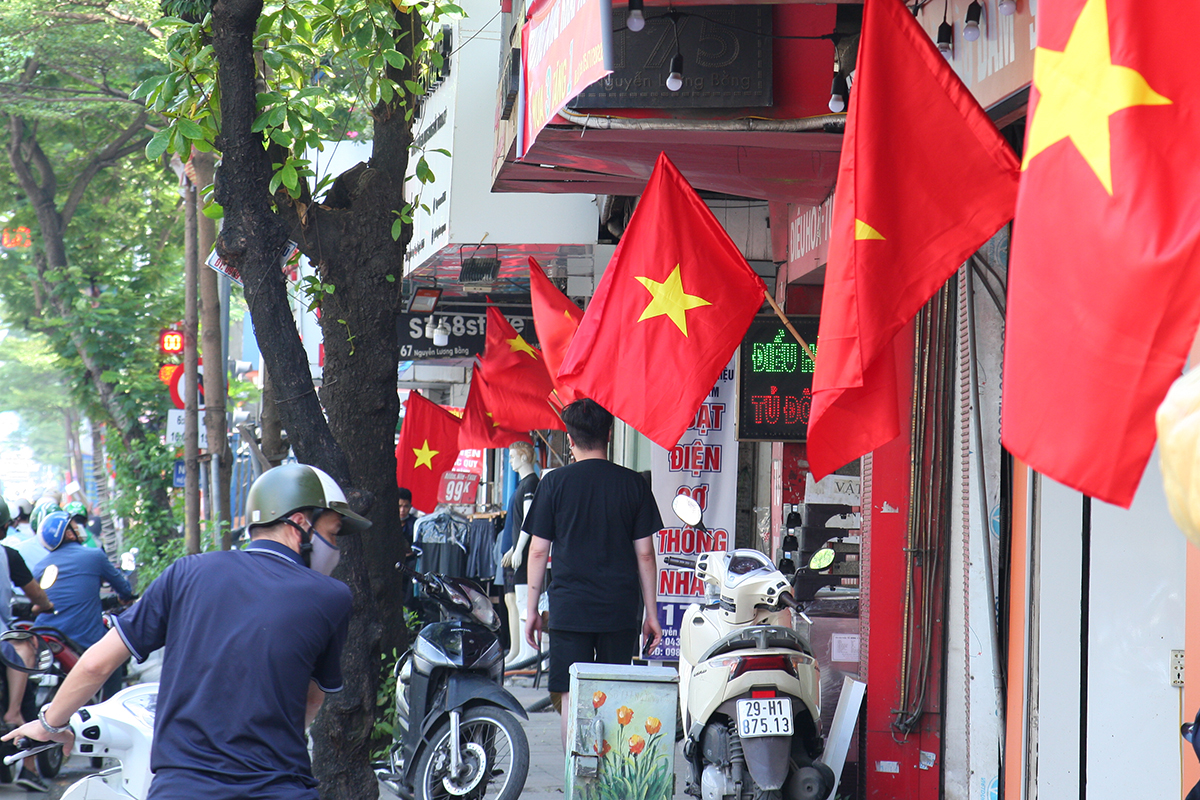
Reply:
x=765, y=717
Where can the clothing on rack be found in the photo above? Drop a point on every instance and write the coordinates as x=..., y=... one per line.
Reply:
x=442, y=537
x=481, y=544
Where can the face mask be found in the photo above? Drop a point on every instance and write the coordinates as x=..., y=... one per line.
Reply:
x=324, y=555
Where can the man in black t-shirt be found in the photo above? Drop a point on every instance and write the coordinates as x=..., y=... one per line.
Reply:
x=601, y=519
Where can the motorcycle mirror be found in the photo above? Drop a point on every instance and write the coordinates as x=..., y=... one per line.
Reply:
x=25, y=651
x=49, y=576
x=687, y=509
x=821, y=559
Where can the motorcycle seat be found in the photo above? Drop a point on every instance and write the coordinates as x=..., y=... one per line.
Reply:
x=758, y=637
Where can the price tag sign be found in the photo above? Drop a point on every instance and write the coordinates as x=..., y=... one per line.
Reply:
x=458, y=488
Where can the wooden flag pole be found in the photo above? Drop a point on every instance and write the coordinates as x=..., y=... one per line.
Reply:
x=788, y=324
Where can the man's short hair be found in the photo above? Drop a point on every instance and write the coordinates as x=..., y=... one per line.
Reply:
x=588, y=423
x=405, y=494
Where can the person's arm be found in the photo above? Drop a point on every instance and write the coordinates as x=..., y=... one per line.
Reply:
x=315, y=698
x=115, y=579
x=83, y=681
x=34, y=591
x=647, y=573
x=539, y=553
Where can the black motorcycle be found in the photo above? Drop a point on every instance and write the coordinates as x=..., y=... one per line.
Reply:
x=454, y=735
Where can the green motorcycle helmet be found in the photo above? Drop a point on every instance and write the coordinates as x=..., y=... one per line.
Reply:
x=77, y=510
x=281, y=491
x=42, y=509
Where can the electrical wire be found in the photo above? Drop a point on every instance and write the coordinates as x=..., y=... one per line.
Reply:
x=833, y=37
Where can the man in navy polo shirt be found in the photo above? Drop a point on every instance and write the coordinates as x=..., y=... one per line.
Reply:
x=252, y=640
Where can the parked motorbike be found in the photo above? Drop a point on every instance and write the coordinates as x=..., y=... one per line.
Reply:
x=454, y=735
x=120, y=728
x=749, y=684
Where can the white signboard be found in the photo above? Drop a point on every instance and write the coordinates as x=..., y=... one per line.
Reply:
x=703, y=465
x=175, y=429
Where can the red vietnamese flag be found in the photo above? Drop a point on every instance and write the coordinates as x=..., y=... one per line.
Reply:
x=428, y=447
x=479, y=427
x=925, y=179
x=515, y=374
x=1104, y=282
x=556, y=319
x=672, y=307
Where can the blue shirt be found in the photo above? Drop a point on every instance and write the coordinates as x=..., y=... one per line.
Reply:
x=76, y=591
x=244, y=632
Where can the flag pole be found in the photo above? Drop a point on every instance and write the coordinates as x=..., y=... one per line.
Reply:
x=788, y=324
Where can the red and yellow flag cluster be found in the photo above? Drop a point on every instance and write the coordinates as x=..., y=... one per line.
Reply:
x=672, y=307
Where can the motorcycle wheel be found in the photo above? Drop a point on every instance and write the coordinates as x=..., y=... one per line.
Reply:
x=495, y=754
x=49, y=762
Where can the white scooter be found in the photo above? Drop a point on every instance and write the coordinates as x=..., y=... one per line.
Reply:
x=749, y=685
x=121, y=728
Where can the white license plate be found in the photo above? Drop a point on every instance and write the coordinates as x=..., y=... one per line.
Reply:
x=765, y=716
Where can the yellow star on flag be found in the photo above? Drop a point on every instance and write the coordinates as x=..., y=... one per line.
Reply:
x=669, y=298
x=494, y=423
x=519, y=345
x=424, y=455
x=864, y=231
x=1080, y=89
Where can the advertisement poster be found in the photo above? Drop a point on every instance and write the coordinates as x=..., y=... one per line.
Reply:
x=565, y=47
x=703, y=465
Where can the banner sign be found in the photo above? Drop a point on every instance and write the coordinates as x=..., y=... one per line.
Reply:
x=565, y=47
x=469, y=461
x=704, y=466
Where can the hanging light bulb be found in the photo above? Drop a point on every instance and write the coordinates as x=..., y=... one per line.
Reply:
x=945, y=39
x=430, y=327
x=1007, y=7
x=441, y=334
x=675, y=78
x=838, y=93
x=636, y=20
x=974, y=14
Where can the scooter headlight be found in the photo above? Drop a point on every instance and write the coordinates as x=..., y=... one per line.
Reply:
x=481, y=609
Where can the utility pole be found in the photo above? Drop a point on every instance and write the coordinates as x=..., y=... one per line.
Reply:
x=191, y=399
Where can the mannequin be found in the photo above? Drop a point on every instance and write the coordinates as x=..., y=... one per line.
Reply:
x=520, y=459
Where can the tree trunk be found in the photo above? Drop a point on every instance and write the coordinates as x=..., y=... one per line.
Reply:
x=215, y=370
x=252, y=240
x=108, y=532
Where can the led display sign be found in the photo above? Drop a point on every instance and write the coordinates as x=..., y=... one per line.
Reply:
x=775, y=382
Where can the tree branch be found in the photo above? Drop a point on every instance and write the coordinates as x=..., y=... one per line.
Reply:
x=108, y=15
x=117, y=149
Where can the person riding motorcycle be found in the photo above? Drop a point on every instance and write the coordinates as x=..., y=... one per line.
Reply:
x=75, y=589
x=251, y=642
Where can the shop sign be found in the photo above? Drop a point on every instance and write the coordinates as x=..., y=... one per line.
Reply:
x=808, y=237
x=468, y=334
x=726, y=62
x=775, y=386
x=565, y=46
x=1000, y=61
x=704, y=466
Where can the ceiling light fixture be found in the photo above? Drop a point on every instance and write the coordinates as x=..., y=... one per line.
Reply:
x=945, y=34
x=838, y=93
x=441, y=334
x=1007, y=7
x=971, y=27
x=636, y=20
x=675, y=78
